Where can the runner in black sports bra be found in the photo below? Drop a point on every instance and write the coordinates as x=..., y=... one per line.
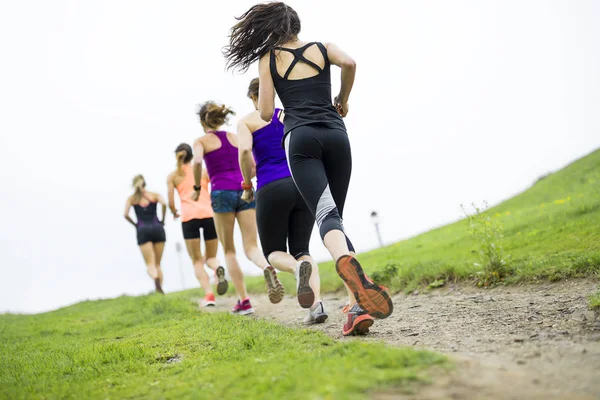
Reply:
x=316, y=143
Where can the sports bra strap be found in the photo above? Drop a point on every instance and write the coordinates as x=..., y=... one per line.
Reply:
x=298, y=56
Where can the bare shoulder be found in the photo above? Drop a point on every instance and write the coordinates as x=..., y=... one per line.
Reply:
x=264, y=60
x=170, y=177
x=244, y=120
x=233, y=138
x=152, y=195
x=200, y=140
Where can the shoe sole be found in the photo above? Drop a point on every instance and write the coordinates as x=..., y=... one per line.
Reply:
x=223, y=285
x=245, y=312
x=209, y=304
x=374, y=300
x=306, y=296
x=360, y=326
x=274, y=287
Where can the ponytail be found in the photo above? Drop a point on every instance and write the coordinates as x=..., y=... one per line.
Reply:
x=180, y=157
x=183, y=154
x=139, y=183
x=213, y=115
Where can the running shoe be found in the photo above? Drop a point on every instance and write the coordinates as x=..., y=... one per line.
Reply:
x=306, y=296
x=371, y=298
x=358, y=322
x=316, y=315
x=243, y=308
x=222, y=284
x=209, y=300
x=274, y=287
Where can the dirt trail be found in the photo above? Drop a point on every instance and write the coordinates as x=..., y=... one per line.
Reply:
x=519, y=342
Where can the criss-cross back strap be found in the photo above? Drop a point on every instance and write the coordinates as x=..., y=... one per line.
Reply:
x=299, y=56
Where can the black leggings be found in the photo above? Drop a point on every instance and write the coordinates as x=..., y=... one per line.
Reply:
x=282, y=214
x=321, y=164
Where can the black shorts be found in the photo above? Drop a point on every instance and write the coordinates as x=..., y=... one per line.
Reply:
x=151, y=233
x=283, y=216
x=191, y=229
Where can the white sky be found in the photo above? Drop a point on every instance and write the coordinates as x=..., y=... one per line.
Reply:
x=454, y=102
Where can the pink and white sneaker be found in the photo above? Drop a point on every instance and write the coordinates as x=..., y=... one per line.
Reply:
x=209, y=300
x=243, y=308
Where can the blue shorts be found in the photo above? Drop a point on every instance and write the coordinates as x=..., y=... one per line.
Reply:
x=224, y=201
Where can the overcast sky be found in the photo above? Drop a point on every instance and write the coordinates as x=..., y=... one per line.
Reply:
x=454, y=102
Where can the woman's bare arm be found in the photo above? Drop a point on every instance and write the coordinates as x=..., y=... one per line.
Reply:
x=348, y=66
x=171, y=195
x=266, y=90
x=197, y=166
x=245, y=142
x=127, y=209
x=160, y=199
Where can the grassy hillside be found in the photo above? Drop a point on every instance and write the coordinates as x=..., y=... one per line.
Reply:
x=550, y=232
x=162, y=347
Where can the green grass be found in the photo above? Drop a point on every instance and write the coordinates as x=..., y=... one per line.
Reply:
x=550, y=233
x=124, y=348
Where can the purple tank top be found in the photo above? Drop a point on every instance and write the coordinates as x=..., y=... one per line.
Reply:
x=271, y=163
x=223, y=165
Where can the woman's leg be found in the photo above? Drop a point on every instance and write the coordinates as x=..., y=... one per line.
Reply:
x=210, y=251
x=150, y=260
x=224, y=223
x=247, y=222
x=158, y=253
x=283, y=261
x=148, y=254
x=274, y=203
x=193, y=248
x=320, y=162
x=305, y=148
x=211, y=244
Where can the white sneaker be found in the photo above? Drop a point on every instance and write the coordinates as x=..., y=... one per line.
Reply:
x=316, y=315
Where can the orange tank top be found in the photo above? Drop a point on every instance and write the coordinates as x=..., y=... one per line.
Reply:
x=194, y=209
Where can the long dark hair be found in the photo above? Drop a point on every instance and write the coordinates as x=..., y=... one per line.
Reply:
x=259, y=30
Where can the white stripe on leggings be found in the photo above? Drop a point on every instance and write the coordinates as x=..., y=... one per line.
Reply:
x=286, y=146
x=325, y=203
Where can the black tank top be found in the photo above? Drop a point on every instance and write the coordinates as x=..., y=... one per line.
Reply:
x=146, y=215
x=306, y=101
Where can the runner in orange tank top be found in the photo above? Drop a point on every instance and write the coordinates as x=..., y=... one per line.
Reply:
x=196, y=216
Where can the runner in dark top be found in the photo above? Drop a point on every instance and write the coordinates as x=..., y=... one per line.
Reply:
x=150, y=232
x=316, y=142
x=282, y=215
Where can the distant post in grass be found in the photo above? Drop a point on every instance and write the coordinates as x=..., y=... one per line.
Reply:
x=375, y=219
x=178, y=249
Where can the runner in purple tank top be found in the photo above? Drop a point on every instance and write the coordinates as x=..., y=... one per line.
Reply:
x=219, y=149
x=281, y=213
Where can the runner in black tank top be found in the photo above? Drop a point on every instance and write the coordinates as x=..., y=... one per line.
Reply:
x=150, y=232
x=315, y=140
